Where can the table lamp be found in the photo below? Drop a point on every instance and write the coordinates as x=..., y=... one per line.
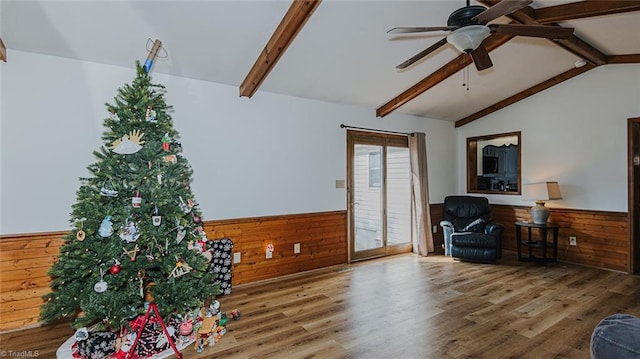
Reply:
x=541, y=192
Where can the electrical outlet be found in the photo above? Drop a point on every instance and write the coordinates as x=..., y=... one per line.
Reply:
x=296, y=248
x=236, y=257
x=435, y=229
x=573, y=241
x=269, y=255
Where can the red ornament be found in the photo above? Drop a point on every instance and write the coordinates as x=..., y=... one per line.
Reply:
x=115, y=269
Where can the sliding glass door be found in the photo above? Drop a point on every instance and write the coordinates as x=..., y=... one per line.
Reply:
x=379, y=194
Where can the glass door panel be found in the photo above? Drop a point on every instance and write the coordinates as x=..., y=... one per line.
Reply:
x=398, y=191
x=367, y=197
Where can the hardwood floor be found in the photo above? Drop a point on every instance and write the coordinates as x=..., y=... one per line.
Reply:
x=410, y=307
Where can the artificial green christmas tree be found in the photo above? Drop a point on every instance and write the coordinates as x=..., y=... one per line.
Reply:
x=137, y=228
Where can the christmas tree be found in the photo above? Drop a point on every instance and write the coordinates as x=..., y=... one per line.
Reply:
x=137, y=233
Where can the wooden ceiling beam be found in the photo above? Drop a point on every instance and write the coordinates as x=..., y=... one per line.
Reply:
x=580, y=48
x=584, y=9
x=293, y=21
x=441, y=74
x=624, y=59
x=426, y=83
x=525, y=93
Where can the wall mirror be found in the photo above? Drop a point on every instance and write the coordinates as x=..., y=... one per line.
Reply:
x=493, y=164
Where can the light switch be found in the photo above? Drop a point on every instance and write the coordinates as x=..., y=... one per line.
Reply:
x=236, y=257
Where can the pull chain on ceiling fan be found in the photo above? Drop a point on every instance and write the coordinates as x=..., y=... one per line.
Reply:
x=470, y=26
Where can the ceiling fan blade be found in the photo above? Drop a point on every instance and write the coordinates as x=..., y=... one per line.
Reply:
x=504, y=7
x=422, y=54
x=408, y=30
x=481, y=58
x=548, y=31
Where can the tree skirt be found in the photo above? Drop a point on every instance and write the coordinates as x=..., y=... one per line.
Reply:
x=66, y=350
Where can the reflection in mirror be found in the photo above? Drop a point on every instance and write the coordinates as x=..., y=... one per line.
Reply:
x=493, y=164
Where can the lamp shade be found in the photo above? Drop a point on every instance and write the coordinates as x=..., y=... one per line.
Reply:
x=468, y=38
x=542, y=191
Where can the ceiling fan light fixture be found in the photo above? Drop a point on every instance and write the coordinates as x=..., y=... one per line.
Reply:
x=468, y=38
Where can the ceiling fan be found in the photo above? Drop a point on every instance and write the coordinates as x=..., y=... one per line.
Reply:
x=469, y=27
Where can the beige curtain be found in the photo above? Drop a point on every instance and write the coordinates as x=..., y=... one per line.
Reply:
x=422, y=235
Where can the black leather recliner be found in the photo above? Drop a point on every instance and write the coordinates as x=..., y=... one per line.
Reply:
x=469, y=232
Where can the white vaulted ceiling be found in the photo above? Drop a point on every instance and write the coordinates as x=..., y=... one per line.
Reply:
x=343, y=54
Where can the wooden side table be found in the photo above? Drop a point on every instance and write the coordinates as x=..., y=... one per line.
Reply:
x=541, y=243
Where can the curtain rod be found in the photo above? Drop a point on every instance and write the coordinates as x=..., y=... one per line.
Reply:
x=375, y=130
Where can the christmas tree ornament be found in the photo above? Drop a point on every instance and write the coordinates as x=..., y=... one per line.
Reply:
x=115, y=268
x=101, y=285
x=196, y=218
x=114, y=116
x=159, y=178
x=166, y=141
x=108, y=192
x=156, y=219
x=170, y=159
x=148, y=295
x=161, y=249
x=195, y=246
x=186, y=328
x=181, y=234
x=128, y=144
x=130, y=231
x=180, y=269
x=150, y=115
x=80, y=235
x=208, y=255
x=81, y=334
x=141, y=285
x=131, y=253
x=198, y=231
x=106, y=227
x=183, y=206
x=136, y=200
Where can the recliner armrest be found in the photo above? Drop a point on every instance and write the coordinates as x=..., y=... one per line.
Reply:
x=446, y=224
x=447, y=230
x=493, y=228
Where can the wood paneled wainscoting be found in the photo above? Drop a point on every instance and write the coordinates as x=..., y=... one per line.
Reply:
x=322, y=237
x=24, y=262
x=602, y=237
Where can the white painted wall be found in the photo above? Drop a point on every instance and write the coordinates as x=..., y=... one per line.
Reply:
x=574, y=133
x=268, y=155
